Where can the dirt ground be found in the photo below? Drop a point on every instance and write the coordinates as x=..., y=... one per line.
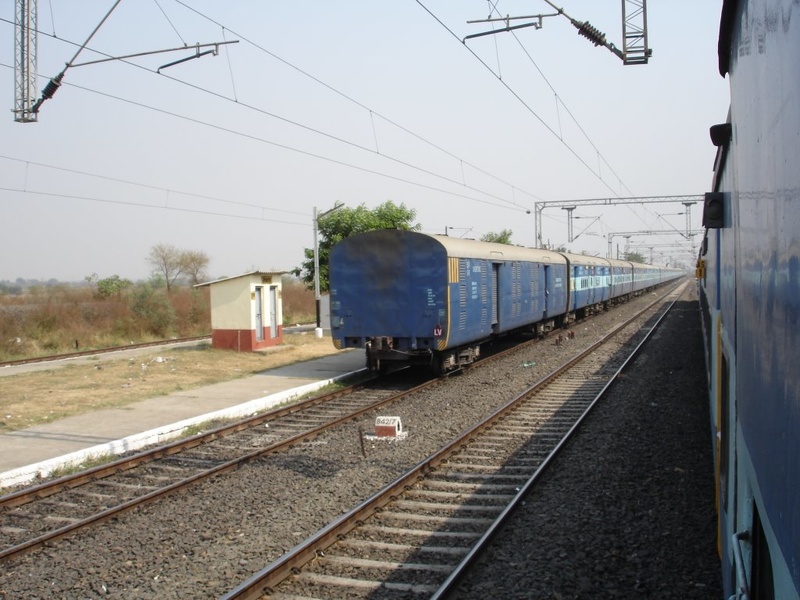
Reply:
x=27, y=399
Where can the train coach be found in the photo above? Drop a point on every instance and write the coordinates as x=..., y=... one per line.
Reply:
x=749, y=277
x=418, y=299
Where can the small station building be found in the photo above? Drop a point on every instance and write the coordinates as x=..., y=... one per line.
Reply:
x=246, y=311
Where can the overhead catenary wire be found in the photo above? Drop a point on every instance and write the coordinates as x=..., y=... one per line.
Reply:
x=150, y=186
x=283, y=146
x=559, y=101
x=175, y=29
x=349, y=98
x=317, y=131
x=372, y=114
x=140, y=205
x=517, y=96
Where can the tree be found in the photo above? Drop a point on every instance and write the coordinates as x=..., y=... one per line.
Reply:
x=154, y=310
x=504, y=237
x=635, y=257
x=554, y=248
x=194, y=265
x=110, y=286
x=170, y=263
x=345, y=222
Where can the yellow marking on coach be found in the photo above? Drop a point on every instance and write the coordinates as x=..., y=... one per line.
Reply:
x=452, y=278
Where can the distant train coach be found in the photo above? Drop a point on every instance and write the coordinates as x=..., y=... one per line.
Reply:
x=419, y=299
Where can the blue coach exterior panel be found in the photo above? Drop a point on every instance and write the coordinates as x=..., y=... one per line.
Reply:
x=751, y=295
x=556, y=286
x=437, y=292
x=389, y=283
x=588, y=281
x=621, y=277
x=762, y=285
x=472, y=310
x=524, y=285
x=644, y=276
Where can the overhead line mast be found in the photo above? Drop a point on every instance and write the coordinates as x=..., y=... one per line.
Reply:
x=26, y=89
x=26, y=108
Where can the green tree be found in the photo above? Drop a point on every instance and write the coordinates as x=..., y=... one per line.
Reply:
x=503, y=237
x=554, y=248
x=345, y=222
x=108, y=287
x=635, y=257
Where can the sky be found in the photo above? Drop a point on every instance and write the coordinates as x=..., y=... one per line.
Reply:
x=352, y=102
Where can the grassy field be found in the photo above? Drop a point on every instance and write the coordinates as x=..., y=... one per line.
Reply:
x=56, y=319
x=28, y=399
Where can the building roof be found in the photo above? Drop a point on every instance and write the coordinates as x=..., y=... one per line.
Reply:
x=250, y=274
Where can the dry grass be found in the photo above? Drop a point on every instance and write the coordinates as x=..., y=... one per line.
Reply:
x=31, y=398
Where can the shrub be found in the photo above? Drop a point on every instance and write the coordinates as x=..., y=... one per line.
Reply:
x=299, y=305
x=154, y=310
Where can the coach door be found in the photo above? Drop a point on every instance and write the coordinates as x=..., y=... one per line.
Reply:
x=545, y=293
x=495, y=294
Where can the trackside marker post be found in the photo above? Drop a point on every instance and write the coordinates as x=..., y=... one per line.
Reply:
x=389, y=427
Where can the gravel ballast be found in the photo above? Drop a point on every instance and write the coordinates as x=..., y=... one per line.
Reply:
x=627, y=510
x=202, y=543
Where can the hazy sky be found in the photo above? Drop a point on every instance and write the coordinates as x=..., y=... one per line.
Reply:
x=353, y=102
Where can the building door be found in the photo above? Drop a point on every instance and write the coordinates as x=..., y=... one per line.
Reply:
x=273, y=311
x=259, y=314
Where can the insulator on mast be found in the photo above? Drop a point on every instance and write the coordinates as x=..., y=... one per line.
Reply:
x=587, y=30
x=50, y=89
x=52, y=86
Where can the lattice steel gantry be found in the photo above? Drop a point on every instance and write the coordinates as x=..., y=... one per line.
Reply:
x=26, y=90
x=635, y=50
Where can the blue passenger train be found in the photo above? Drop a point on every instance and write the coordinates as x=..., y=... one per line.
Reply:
x=749, y=276
x=413, y=298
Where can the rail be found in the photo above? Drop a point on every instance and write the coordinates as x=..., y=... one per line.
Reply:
x=318, y=545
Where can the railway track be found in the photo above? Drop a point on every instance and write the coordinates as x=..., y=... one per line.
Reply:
x=78, y=354
x=422, y=531
x=35, y=515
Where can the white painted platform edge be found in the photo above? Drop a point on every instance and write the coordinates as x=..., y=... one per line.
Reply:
x=165, y=433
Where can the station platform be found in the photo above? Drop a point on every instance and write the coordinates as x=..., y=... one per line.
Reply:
x=28, y=454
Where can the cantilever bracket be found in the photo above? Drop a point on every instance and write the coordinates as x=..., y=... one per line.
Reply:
x=198, y=54
x=634, y=24
x=536, y=24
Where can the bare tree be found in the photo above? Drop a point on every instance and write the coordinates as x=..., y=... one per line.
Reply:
x=168, y=262
x=194, y=265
